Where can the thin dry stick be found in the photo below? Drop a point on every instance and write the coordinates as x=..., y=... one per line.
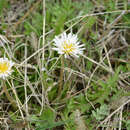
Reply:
x=17, y=99
x=76, y=73
x=43, y=51
x=35, y=53
x=90, y=15
x=105, y=68
x=12, y=101
x=3, y=41
x=120, y=122
x=109, y=26
x=95, y=71
x=25, y=82
x=38, y=51
x=91, y=78
x=52, y=67
x=95, y=14
x=5, y=49
x=44, y=22
x=108, y=59
x=117, y=19
x=113, y=113
x=22, y=106
x=30, y=86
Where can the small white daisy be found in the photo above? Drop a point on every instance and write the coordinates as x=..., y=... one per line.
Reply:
x=5, y=67
x=68, y=45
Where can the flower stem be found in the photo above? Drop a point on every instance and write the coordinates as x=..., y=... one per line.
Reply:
x=61, y=76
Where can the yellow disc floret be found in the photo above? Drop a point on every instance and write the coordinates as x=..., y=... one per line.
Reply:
x=68, y=47
x=4, y=67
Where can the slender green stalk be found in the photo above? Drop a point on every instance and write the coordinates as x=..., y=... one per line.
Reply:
x=61, y=76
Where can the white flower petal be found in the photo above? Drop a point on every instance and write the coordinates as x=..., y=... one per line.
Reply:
x=68, y=45
x=5, y=67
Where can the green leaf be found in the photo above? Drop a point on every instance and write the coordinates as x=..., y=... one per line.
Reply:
x=128, y=124
x=112, y=81
x=48, y=115
x=50, y=125
x=3, y=4
x=101, y=112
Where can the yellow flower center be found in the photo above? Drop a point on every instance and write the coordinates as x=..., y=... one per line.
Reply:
x=4, y=67
x=68, y=48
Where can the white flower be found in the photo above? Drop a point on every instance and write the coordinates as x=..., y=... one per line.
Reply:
x=68, y=45
x=5, y=67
